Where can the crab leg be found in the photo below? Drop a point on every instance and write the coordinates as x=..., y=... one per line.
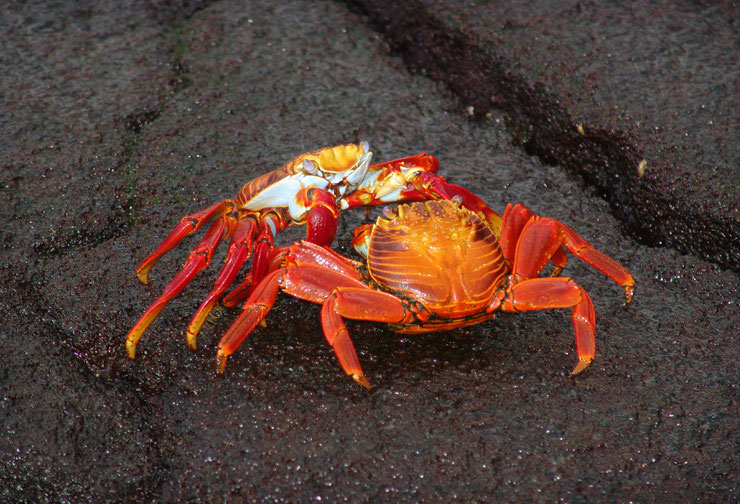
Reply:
x=305, y=252
x=269, y=225
x=321, y=228
x=561, y=292
x=243, y=291
x=240, y=292
x=198, y=259
x=239, y=252
x=538, y=242
x=188, y=224
x=262, y=248
x=322, y=276
x=255, y=310
x=357, y=304
x=515, y=218
x=602, y=262
x=541, y=240
x=310, y=282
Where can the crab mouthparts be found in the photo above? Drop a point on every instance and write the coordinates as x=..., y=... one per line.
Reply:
x=357, y=174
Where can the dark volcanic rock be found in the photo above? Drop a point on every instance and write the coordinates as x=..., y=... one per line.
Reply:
x=119, y=119
x=639, y=101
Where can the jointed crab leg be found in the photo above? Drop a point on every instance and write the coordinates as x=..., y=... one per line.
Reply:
x=602, y=262
x=537, y=241
x=257, y=307
x=269, y=225
x=188, y=225
x=311, y=274
x=357, y=303
x=524, y=233
x=198, y=259
x=561, y=292
x=515, y=218
x=239, y=252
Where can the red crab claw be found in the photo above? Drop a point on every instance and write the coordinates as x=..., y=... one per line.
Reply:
x=415, y=178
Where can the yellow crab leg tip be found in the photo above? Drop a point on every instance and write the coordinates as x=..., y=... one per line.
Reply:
x=143, y=275
x=362, y=381
x=131, y=348
x=221, y=361
x=138, y=330
x=582, y=364
x=192, y=339
x=191, y=336
x=629, y=292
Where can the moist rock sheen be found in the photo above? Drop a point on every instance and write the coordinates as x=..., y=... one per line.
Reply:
x=619, y=106
x=120, y=118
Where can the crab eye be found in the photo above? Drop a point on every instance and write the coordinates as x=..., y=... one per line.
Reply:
x=457, y=200
x=388, y=212
x=309, y=166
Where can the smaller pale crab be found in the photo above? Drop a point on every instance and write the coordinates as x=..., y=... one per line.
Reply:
x=432, y=266
x=311, y=189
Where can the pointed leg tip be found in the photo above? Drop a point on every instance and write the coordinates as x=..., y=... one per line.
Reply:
x=221, y=362
x=143, y=275
x=629, y=293
x=192, y=339
x=580, y=367
x=362, y=381
x=130, y=348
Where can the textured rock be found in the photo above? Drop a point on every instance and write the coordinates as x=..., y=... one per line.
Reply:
x=120, y=119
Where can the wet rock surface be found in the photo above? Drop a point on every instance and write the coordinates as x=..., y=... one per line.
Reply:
x=120, y=119
x=638, y=101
